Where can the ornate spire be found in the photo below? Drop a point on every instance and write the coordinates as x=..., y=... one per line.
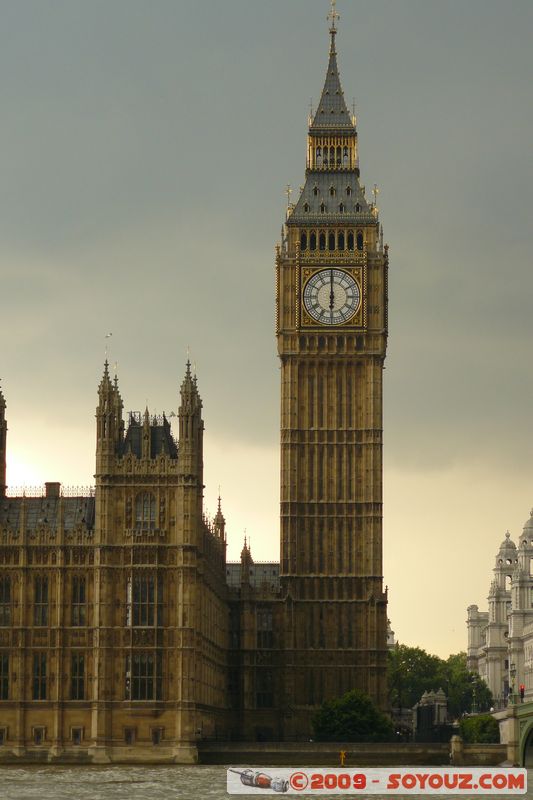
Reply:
x=188, y=381
x=105, y=387
x=219, y=521
x=190, y=397
x=332, y=111
x=246, y=554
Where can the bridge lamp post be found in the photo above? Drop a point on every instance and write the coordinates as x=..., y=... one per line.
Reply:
x=512, y=673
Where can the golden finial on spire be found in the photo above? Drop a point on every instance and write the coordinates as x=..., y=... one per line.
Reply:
x=333, y=16
x=288, y=192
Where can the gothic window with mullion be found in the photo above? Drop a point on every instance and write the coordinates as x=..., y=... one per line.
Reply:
x=145, y=511
x=265, y=633
x=144, y=676
x=264, y=688
x=5, y=601
x=77, y=676
x=40, y=601
x=144, y=596
x=39, y=676
x=79, y=601
x=4, y=676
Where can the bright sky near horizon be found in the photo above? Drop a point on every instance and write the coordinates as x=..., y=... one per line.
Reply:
x=144, y=154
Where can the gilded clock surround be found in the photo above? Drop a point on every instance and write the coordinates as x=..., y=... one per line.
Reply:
x=356, y=320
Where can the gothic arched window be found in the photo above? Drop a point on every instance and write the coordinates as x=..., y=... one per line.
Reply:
x=315, y=191
x=357, y=207
x=340, y=241
x=331, y=241
x=312, y=241
x=322, y=208
x=350, y=240
x=306, y=207
x=339, y=156
x=145, y=511
x=342, y=208
x=5, y=601
x=322, y=241
x=332, y=191
x=348, y=190
x=144, y=599
x=359, y=240
x=303, y=241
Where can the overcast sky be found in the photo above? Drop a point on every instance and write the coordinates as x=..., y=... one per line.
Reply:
x=144, y=152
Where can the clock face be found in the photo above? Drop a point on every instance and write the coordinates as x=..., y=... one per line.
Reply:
x=331, y=296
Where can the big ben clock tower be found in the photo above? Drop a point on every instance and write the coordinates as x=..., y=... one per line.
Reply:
x=331, y=325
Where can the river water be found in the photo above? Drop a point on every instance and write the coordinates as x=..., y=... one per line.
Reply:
x=132, y=783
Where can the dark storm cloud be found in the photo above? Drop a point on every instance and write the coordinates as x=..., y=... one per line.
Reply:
x=144, y=151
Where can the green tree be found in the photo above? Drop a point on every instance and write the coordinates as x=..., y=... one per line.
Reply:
x=351, y=718
x=466, y=691
x=412, y=671
x=481, y=729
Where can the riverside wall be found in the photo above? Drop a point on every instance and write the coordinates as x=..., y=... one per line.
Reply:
x=291, y=754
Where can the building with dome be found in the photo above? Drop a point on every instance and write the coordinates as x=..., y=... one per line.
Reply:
x=500, y=640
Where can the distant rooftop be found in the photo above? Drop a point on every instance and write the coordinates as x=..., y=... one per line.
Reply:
x=263, y=575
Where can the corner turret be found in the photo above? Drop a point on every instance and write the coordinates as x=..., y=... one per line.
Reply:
x=219, y=521
x=191, y=429
x=246, y=563
x=109, y=420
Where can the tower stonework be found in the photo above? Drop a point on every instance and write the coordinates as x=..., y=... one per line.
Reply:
x=331, y=325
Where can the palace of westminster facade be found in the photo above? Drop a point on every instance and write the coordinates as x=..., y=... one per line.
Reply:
x=124, y=634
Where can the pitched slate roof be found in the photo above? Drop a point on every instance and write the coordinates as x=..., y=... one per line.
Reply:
x=161, y=439
x=332, y=111
x=323, y=182
x=44, y=511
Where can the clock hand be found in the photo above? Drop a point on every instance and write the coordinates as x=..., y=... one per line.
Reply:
x=331, y=294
